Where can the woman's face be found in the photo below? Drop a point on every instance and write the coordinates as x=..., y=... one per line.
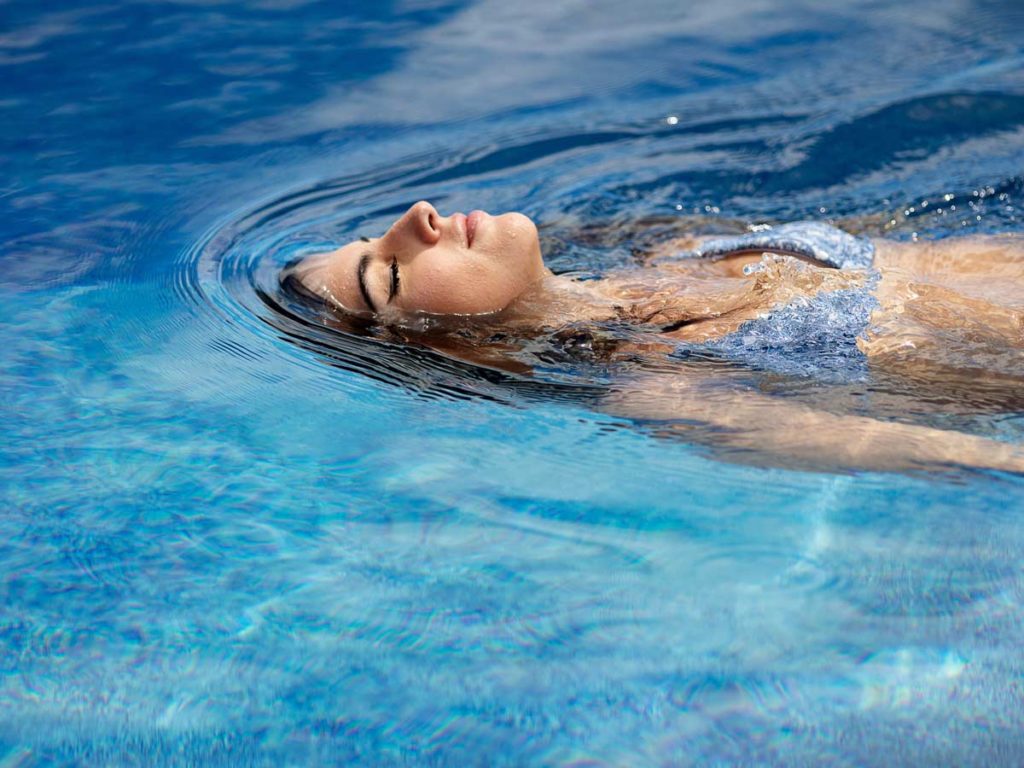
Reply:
x=454, y=265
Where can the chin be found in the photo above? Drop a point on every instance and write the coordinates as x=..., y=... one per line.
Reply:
x=521, y=223
x=519, y=233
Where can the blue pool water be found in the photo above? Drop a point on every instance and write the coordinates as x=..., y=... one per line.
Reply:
x=227, y=539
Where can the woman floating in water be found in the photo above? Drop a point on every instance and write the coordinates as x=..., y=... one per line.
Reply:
x=954, y=306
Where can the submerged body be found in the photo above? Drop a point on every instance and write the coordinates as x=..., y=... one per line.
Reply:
x=952, y=306
x=945, y=301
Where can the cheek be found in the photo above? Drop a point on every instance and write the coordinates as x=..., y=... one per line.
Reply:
x=470, y=288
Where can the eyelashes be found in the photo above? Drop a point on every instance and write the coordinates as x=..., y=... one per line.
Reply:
x=364, y=238
x=395, y=281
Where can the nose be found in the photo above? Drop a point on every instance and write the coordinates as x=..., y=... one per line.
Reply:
x=421, y=222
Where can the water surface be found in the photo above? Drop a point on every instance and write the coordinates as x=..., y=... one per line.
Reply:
x=224, y=544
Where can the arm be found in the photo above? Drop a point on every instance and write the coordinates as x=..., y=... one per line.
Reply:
x=953, y=258
x=745, y=426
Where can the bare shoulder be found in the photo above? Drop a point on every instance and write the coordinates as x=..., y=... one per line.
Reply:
x=988, y=254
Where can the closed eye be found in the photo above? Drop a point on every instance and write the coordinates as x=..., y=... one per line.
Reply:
x=395, y=280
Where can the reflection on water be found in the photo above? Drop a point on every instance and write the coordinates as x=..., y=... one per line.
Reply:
x=228, y=538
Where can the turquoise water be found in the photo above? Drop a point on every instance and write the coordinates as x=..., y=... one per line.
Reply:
x=227, y=539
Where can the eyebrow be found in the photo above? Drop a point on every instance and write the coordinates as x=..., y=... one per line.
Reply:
x=364, y=262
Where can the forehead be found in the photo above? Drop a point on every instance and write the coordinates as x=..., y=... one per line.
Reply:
x=344, y=275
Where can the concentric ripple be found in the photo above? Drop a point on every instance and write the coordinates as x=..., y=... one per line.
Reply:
x=230, y=279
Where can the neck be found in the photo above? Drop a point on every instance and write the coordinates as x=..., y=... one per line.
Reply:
x=555, y=300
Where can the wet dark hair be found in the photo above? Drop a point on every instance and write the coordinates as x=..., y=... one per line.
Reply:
x=450, y=359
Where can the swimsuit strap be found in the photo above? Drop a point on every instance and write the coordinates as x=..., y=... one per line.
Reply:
x=811, y=239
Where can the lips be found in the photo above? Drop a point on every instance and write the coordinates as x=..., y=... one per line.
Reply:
x=462, y=225
x=472, y=222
